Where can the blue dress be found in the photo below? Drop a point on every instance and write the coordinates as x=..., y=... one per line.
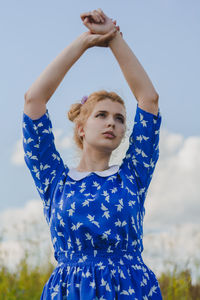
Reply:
x=96, y=218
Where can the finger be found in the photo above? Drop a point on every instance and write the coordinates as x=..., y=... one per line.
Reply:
x=102, y=19
x=95, y=17
x=99, y=15
x=88, y=18
x=102, y=13
x=84, y=15
x=91, y=16
x=108, y=35
x=90, y=26
x=87, y=23
x=103, y=40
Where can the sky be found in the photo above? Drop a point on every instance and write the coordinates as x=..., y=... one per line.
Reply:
x=164, y=36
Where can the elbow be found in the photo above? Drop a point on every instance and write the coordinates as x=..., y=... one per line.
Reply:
x=151, y=98
x=27, y=96
x=154, y=98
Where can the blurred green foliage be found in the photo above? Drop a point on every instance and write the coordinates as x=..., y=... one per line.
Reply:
x=27, y=283
x=177, y=285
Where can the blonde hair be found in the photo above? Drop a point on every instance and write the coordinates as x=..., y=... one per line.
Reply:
x=79, y=113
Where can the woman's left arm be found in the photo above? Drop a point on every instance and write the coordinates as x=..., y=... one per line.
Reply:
x=135, y=75
x=140, y=84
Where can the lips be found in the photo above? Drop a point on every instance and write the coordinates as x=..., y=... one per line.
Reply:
x=110, y=132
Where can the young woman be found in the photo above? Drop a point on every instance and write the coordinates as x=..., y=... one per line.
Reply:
x=95, y=212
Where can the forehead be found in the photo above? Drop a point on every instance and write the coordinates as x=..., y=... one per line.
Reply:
x=110, y=106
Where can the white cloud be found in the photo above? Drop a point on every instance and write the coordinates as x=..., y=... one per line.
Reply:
x=174, y=193
x=11, y=252
x=178, y=245
x=61, y=142
x=16, y=219
x=171, y=223
x=25, y=229
x=17, y=157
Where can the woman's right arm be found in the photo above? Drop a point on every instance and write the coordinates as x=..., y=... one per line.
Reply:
x=42, y=89
x=45, y=85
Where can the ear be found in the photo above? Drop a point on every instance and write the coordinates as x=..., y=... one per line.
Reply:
x=81, y=130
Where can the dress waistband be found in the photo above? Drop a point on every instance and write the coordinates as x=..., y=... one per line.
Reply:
x=96, y=255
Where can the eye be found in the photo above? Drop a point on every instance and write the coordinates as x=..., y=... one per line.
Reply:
x=100, y=114
x=121, y=119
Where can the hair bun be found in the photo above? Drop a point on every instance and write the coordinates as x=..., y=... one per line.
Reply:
x=74, y=111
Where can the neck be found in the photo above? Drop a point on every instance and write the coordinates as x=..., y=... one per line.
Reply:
x=91, y=170
x=92, y=161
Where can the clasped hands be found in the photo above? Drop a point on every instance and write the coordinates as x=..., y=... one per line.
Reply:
x=102, y=29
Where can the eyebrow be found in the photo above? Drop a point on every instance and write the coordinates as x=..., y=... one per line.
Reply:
x=117, y=114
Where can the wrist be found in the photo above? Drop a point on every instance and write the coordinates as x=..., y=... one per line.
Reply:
x=83, y=38
x=117, y=38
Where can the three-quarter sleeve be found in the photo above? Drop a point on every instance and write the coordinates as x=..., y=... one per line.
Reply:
x=41, y=156
x=143, y=151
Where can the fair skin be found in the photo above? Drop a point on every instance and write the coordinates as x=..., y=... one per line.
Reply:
x=45, y=85
x=95, y=156
x=97, y=148
x=135, y=75
x=101, y=35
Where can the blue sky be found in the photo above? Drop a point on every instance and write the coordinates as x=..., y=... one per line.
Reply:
x=163, y=35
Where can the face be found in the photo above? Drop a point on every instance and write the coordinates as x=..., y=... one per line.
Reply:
x=112, y=119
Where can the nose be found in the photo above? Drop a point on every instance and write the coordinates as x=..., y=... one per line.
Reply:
x=111, y=122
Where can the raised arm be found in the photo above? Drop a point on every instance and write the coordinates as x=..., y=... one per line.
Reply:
x=42, y=89
x=45, y=85
x=135, y=75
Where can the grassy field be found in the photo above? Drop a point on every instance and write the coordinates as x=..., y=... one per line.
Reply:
x=27, y=283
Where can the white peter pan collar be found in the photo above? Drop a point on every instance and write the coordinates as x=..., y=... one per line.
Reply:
x=77, y=175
